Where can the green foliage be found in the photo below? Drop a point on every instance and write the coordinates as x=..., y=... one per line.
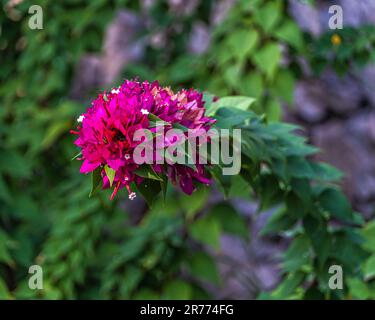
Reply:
x=342, y=49
x=276, y=166
x=94, y=248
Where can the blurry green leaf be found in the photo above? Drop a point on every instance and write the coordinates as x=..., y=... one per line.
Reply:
x=238, y=102
x=291, y=34
x=368, y=232
x=206, y=230
x=242, y=42
x=268, y=58
x=369, y=268
x=279, y=221
x=149, y=189
x=288, y=286
x=96, y=178
x=4, y=293
x=252, y=85
x=273, y=110
x=4, y=191
x=14, y=164
x=325, y=172
x=203, y=266
x=177, y=290
x=231, y=221
x=283, y=86
x=319, y=236
x=195, y=202
x=54, y=132
x=297, y=254
x=336, y=204
x=358, y=288
x=232, y=74
x=146, y=294
x=269, y=15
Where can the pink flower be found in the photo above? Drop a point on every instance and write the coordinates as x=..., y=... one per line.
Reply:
x=105, y=131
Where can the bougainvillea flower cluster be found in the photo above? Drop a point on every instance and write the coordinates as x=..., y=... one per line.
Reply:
x=105, y=132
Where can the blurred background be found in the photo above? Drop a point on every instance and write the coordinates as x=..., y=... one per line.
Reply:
x=281, y=52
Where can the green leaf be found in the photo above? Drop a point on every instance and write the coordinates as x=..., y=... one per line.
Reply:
x=336, y=204
x=242, y=42
x=193, y=203
x=146, y=294
x=54, y=132
x=369, y=268
x=15, y=164
x=299, y=167
x=96, y=178
x=319, y=236
x=110, y=174
x=149, y=190
x=4, y=293
x=268, y=58
x=238, y=102
x=291, y=34
x=283, y=86
x=207, y=231
x=146, y=171
x=273, y=110
x=288, y=286
x=325, y=172
x=269, y=15
x=297, y=255
x=77, y=155
x=279, y=221
x=368, y=232
x=224, y=182
x=228, y=118
x=4, y=191
x=177, y=290
x=231, y=221
x=4, y=252
x=252, y=85
x=203, y=266
x=358, y=289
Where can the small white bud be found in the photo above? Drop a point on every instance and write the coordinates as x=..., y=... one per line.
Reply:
x=80, y=118
x=144, y=111
x=132, y=196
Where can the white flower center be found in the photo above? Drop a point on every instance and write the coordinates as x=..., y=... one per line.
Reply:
x=144, y=111
x=127, y=156
x=115, y=91
x=80, y=118
x=132, y=196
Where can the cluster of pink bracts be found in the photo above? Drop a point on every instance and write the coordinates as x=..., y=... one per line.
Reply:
x=105, y=132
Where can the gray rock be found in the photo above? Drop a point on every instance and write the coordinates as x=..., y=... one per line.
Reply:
x=316, y=97
x=366, y=77
x=306, y=16
x=121, y=47
x=200, y=38
x=344, y=145
x=307, y=100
